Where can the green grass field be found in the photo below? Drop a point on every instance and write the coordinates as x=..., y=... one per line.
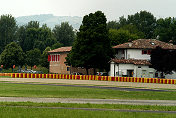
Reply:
x=26, y=90
x=9, y=112
x=101, y=106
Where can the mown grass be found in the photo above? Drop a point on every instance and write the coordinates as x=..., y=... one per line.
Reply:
x=100, y=106
x=26, y=90
x=17, y=112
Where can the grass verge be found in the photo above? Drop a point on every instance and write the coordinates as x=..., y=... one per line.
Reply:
x=16, y=112
x=27, y=90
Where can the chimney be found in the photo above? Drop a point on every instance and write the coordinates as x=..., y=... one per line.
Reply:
x=130, y=42
x=171, y=42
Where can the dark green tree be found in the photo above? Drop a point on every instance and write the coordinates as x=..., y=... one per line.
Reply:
x=113, y=25
x=121, y=36
x=32, y=36
x=163, y=60
x=92, y=47
x=56, y=45
x=44, y=58
x=144, y=21
x=12, y=55
x=8, y=29
x=166, y=29
x=64, y=33
x=33, y=57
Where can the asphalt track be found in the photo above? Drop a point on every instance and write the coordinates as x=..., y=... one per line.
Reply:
x=97, y=87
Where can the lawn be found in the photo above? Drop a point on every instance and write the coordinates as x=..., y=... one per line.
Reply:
x=26, y=90
x=19, y=112
x=98, y=106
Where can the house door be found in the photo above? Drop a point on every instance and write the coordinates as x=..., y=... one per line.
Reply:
x=130, y=73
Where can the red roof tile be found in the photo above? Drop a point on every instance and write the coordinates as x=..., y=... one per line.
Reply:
x=131, y=61
x=146, y=44
x=62, y=49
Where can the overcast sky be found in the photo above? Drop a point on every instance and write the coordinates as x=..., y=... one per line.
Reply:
x=113, y=9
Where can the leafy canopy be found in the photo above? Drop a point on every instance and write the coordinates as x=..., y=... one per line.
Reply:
x=92, y=47
x=12, y=55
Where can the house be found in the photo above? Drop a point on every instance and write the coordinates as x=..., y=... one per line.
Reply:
x=132, y=59
x=56, y=59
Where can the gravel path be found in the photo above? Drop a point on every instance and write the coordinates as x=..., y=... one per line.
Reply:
x=91, y=101
x=90, y=82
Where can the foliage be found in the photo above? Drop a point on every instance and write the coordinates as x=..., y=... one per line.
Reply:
x=121, y=36
x=44, y=58
x=144, y=21
x=64, y=34
x=166, y=30
x=163, y=60
x=12, y=55
x=33, y=57
x=32, y=36
x=56, y=45
x=113, y=25
x=7, y=30
x=92, y=47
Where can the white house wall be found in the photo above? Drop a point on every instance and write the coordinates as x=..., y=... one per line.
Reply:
x=139, y=70
x=136, y=54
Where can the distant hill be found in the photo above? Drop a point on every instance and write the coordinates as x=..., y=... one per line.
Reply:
x=50, y=20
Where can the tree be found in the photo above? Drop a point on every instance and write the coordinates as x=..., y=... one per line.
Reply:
x=166, y=30
x=121, y=36
x=32, y=36
x=56, y=45
x=8, y=29
x=163, y=60
x=64, y=33
x=44, y=58
x=12, y=55
x=33, y=57
x=92, y=47
x=144, y=21
x=113, y=25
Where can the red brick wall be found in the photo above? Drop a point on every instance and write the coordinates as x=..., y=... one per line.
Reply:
x=60, y=66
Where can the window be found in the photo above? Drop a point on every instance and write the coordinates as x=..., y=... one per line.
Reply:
x=53, y=58
x=148, y=52
x=68, y=68
x=144, y=51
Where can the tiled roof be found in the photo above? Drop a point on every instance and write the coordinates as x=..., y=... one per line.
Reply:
x=62, y=49
x=131, y=61
x=146, y=44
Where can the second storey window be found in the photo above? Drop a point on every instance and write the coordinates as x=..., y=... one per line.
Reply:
x=53, y=57
x=147, y=52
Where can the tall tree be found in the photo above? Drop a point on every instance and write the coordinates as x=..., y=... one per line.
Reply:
x=32, y=36
x=12, y=55
x=121, y=36
x=92, y=47
x=166, y=29
x=44, y=58
x=163, y=60
x=145, y=22
x=64, y=33
x=33, y=57
x=8, y=29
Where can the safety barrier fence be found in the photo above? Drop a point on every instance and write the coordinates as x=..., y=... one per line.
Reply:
x=91, y=77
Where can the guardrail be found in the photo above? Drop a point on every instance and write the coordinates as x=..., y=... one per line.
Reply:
x=91, y=77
